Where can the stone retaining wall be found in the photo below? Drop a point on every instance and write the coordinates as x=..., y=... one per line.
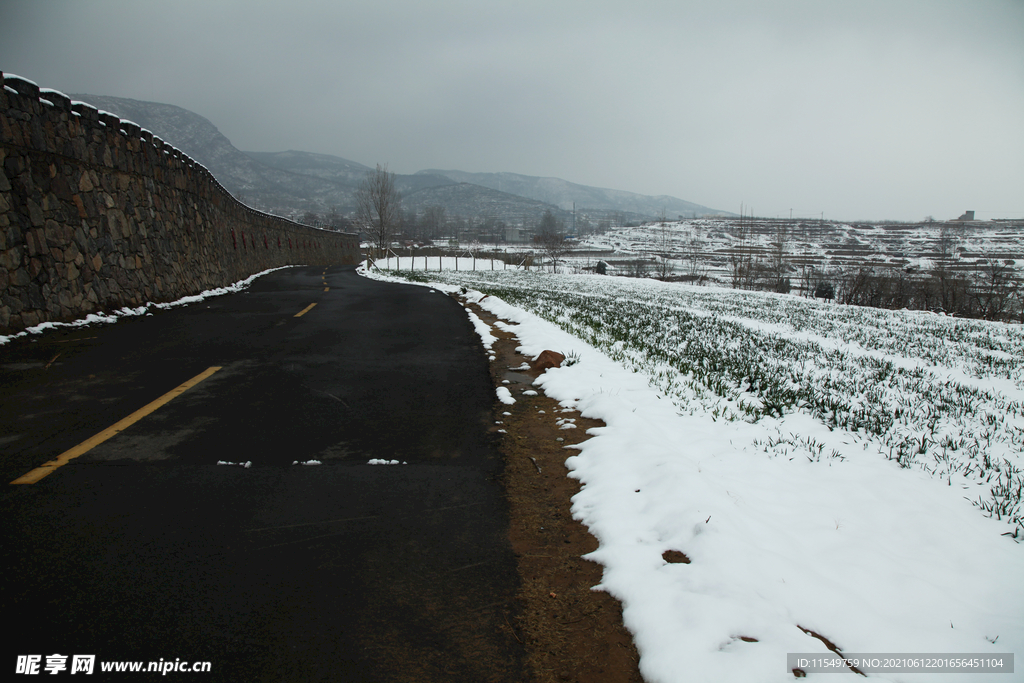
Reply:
x=97, y=213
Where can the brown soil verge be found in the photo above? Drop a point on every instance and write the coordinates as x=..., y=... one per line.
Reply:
x=570, y=632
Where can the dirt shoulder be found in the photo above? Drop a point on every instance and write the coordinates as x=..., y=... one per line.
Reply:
x=570, y=632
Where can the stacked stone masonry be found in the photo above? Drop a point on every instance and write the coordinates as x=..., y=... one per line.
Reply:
x=97, y=214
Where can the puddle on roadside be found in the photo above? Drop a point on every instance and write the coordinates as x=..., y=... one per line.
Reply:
x=517, y=377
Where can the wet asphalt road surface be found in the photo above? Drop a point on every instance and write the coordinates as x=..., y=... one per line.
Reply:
x=144, y=548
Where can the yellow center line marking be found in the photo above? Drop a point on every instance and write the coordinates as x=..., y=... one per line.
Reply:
x=118, y=427
x=304, y=311
x=327, y=289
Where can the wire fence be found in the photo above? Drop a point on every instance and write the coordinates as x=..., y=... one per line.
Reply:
x=454, y=261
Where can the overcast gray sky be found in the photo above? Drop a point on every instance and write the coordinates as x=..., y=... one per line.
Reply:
x=860, y=109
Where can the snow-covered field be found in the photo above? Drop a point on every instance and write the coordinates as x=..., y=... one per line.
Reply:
x=846, y=472
x=827, y=242
x=706, y=246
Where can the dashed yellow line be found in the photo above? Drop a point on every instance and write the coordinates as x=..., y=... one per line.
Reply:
x=90, y=443
x=327, y=289
x=304, y=311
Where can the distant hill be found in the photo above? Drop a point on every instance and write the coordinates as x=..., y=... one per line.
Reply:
x=562, y=194
x=342, y=171
x=466, y=199
x=262, y=186
x=418, y=190
x=294, y=182
x=323, y=166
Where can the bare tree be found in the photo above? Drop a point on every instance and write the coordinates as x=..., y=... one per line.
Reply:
x=333, y=218
x=664, y=264
x=379, y=207
x=742, y=257
x=778, y=264
x=994, y=289
x=948, y=247
x=551, y=237
x=411, y=226
x=434, y=221
x=693, y=253
x=638, y=266
x=583, y=225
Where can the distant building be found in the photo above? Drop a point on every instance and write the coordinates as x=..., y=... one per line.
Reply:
x=515, y=235
x=968, y=216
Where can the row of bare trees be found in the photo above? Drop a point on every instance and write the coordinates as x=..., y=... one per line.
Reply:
x=767, y=270
x=990, y=291
x=434, y=222
x=332, y=220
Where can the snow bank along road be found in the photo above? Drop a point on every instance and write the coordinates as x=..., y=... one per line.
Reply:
x=145, y=548
x=777, y=476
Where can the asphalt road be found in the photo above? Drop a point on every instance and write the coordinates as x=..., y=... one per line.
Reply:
x=144, y=548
